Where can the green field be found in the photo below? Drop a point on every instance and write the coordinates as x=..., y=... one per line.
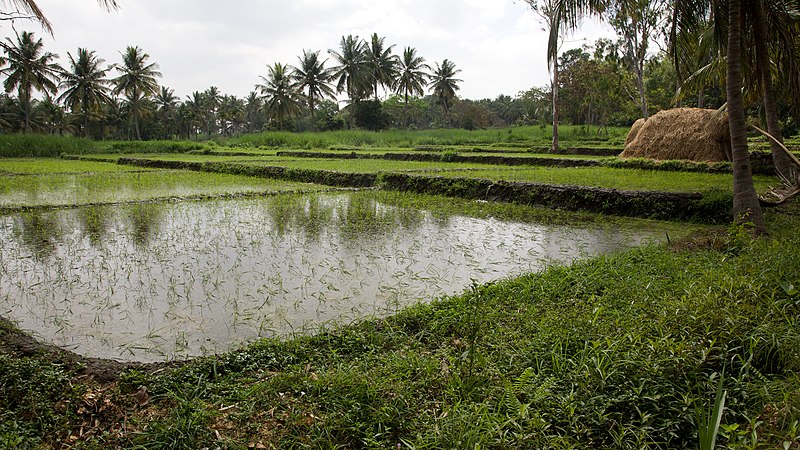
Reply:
x=623, y=350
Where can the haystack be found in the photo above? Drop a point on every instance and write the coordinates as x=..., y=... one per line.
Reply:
x=683, y=133
x=637, y=126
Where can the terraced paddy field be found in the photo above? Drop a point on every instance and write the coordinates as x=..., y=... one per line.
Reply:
x=375, y=317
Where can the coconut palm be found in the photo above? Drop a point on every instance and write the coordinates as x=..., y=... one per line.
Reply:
x=194, y=112
x=746, y=207
x=382, y=64
x=351, y=71
x=254, y=112
x=29, y=69
x=412, y=77
x=279, y=93
x=137, y=81
x=167, y=102
x=444, y=85
x=28, y=9
x=313, y=78
x=546, y=10
x=85, y=85
x=213, y=98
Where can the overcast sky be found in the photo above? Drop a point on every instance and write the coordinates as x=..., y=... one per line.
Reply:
x=498, y=44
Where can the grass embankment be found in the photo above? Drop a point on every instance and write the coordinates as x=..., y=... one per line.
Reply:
x=401, y=138
x=622, y=351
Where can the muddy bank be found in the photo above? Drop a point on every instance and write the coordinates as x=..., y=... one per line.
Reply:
x=16, y=342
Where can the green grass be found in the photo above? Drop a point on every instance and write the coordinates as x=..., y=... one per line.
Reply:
x=398, y=138
x=55, y=165
x=629, y=179
x=109, y=187
x=42, y=145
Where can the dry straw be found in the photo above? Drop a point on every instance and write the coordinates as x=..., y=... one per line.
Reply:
x=683, y=133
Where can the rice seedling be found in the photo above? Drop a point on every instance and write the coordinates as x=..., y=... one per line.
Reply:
x=214, y=274
x=112, y=187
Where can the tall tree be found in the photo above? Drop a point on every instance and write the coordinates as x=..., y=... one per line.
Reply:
x=412, y=78
x=212, y=98
x=637, y=23
x=195, y=112
x=85, y=85
x=746, y=208
x=382, y=64
x=782, y=37
x=167, y=102
x=444, y=85
x=351, y=71
x=254, y=112
x=314, y=79
x=279, y=93
x=549, y=14
x=137, y=81
x=29, y=69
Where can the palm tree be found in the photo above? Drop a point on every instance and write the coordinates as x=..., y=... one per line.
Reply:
x=279, y=93
x=746, y=207
x=382, y=64
x=195, y=112
x=412, y=77
x=314, y=78
x=138, y=80
x=550, y=15
x=167, y=103
x=28, y=9
x=29, y=69
x=254, y=112
x=351, y=71
x=445, y=85
x=85, y=84
x=213, y=98
x=783, y=39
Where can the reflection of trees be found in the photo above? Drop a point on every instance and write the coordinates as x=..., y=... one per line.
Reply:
x=309, y=214
x=95, y=223
x=145, y=221
x=38, y=231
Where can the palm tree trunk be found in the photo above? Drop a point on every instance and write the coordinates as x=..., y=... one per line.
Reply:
x=783, y=164
x=746, y=208
x=556, y=109
x=311, y=107
x=405, y=111
x=25, y=99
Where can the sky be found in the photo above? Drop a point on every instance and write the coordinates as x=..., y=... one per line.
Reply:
x=499, y=45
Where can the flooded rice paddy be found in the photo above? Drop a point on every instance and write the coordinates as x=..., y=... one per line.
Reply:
x=160, y=281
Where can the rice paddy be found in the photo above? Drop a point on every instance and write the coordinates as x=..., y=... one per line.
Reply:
x=488, y=324
x=108, y=276
x=160, y=281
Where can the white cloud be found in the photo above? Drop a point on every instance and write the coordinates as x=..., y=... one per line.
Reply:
x=497, y=44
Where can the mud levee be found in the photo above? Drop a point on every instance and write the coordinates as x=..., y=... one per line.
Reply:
x=649, y=204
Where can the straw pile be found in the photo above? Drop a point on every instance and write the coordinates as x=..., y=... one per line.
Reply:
x=692, y=134
x=637, y=126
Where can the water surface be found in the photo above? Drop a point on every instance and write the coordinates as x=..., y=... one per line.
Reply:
x=157, y=281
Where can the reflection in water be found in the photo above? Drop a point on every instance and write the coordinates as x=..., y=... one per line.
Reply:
x=171, y=280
